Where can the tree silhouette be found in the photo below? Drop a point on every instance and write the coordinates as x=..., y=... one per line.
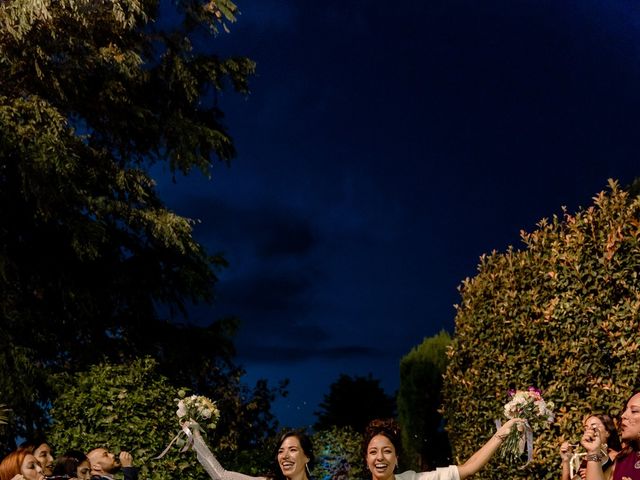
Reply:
x=354, y=402
x=426, y=445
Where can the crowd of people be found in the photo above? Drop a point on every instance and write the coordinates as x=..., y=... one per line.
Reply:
x=610, y=453
x=34, y=461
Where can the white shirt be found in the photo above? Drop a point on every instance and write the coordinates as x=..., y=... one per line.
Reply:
x=446, y=473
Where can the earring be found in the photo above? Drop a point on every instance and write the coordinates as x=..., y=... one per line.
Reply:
x=306, y=465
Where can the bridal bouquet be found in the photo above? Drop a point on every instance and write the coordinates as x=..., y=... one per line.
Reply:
x=530, y=406
x=198, y=411
x=194, y=414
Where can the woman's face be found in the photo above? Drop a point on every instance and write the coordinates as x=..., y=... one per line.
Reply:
x=83, y=472
x=630, y=420
x=594, y=423
x=31, y=469
x=291, y=458
x=43, y=455
x=381, y=458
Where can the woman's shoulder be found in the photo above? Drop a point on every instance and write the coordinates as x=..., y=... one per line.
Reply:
x=442, y=473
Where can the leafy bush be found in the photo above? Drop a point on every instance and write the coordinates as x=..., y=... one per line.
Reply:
x=122, y=407
x=562, y=314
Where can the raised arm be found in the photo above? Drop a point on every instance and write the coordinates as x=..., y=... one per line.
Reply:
x=592, y=443
x=211, y=464
x=482, y=456
x=566, y=452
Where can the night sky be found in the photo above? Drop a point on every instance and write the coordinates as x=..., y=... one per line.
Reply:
x=384, y=148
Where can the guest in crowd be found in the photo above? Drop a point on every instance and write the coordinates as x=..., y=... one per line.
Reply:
x=381, y=451
x=73, y=464
x=104, y=464
x=43, y=453
x=21, y=464
x=604, y=424
x=626, y=465
x=293, y=458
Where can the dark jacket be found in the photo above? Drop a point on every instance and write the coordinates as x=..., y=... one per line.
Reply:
x=130, y=473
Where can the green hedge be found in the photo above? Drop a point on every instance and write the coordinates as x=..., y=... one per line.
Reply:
x=562, y=314
x=122, y=407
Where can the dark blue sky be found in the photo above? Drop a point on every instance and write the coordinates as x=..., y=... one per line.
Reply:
x=384, y=148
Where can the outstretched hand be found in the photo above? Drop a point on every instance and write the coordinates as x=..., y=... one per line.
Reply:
x=506, y=428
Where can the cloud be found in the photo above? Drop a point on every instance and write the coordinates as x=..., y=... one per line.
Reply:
x=284, y=237
x=281, y=354
x=258, y=227
x=267, y=293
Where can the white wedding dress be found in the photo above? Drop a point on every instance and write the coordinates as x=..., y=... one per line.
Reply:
x=209, y=461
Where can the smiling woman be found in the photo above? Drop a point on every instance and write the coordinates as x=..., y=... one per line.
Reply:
x=381, y=449
x=294, y=458
x=40, y=449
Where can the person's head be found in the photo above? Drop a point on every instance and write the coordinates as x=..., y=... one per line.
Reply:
x=42, y=451
x=630, y=422
x=21, y=461
x=606, y=427
x=74, y=464
x=381, y=448
x=294, y=455
x=102, y=461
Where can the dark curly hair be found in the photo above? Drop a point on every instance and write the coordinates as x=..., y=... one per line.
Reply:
x=387, y=427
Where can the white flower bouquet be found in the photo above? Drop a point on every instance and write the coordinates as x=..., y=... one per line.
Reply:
x=530, y=406
x=198, y=411
x=194, y=414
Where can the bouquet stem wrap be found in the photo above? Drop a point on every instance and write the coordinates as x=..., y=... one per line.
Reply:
x=529, y=406
x=517, y=440
x=194, y=413
x=189, y=435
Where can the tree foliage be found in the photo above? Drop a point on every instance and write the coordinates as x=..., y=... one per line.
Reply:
x=425, y=442
x=353, y=402
x=338, y=453
x=122, y=407
x=563, y=315
x=132, y=407
x=92, y=263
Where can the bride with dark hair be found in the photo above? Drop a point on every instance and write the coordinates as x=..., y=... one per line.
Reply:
x=293, y=459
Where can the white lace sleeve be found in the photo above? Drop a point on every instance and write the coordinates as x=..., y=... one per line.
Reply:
x=211, y=464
